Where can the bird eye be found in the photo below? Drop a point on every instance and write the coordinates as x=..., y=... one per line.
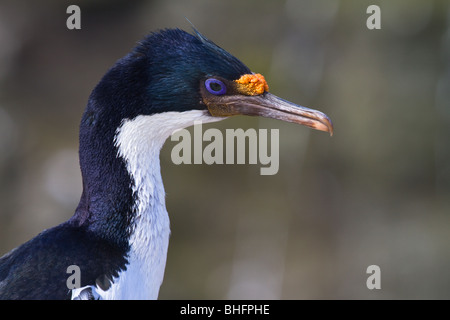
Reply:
x=215, y=86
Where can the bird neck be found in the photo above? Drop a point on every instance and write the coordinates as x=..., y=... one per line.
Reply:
x=122, y=181
x=139, y=142
x=123, y=196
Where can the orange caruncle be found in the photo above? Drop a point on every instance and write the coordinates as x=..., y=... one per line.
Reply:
x=252, y=84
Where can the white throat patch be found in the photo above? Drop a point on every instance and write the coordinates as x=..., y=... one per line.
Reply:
x=139, y=142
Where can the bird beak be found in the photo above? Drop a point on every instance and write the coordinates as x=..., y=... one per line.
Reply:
x=269, y=106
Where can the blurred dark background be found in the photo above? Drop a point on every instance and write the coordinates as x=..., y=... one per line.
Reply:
x=377, y=192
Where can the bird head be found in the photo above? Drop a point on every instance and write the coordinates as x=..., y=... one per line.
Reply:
x=172, y=70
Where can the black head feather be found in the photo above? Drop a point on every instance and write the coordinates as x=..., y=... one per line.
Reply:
x=177, y=61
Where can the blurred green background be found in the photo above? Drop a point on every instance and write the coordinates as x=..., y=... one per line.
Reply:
x=377, y=192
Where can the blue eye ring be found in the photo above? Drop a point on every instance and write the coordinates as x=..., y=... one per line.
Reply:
x=215, y=86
